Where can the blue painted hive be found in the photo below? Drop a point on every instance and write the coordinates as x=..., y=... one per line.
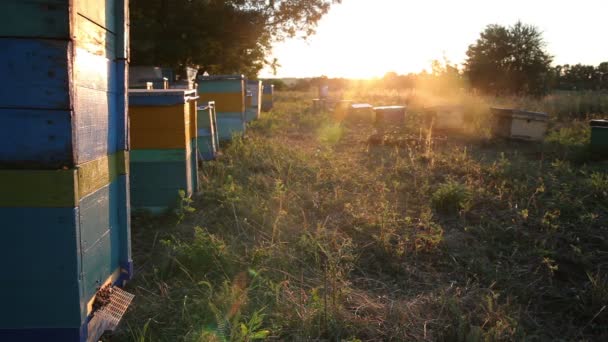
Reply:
x=64, y=186
x=228, y=93
x=208, y=140
x=268, y=97
x=162, y=142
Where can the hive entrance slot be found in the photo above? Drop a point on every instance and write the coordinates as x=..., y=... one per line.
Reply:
x=110, y=305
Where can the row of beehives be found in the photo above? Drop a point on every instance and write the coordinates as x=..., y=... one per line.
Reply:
x=505, y=123
x=76, y=150
x=172, y=129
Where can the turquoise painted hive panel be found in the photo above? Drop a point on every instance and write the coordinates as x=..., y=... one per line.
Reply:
x=155, y=186
x=69, y=252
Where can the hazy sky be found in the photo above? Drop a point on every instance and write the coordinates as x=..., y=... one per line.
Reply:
x=366, y=38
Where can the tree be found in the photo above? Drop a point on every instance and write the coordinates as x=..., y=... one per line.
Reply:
x=219, y=36
x=509, y=60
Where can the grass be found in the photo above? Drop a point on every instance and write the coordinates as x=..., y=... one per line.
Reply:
x=304, y=230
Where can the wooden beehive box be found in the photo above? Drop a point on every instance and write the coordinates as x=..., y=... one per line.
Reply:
x=63, y=163
x=390, y=115
x=361, y=112
x=519, y=124
x=268, y=97
x=161, y=147
x=255, y=87
x=228, y=93
x=446, y=117
x=599, y=136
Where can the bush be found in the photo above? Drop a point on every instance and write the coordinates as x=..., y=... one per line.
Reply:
x=451, y=197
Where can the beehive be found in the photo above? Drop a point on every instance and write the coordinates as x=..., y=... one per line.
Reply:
x=445, y=117
x=341, y=110
x=390, y=115
x=599, y=136
x=141, y=76
x=162, y=139
x=361, y=113
x=518, y=124
x=64, y=189
x=228, y=93
x=208, y=142
x=268, y=97
x=255, y=88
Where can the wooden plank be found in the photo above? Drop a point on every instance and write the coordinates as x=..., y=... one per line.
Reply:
x=96, y=266
x=159, y=117
x=98, y=173
x=35, y=73
x=95, y=125
x=225, y=102
x=96, y=72
x=93, y=38
x=220, y=86
x=159, y=155
x=35, y=139
x=34, y=18
x=122, y=30
x=102, y=13
x=194, y=164
x=160, y=127
x=193, y=118
x=38, y=188
x=42, y=244
x=159, y=175
x=123, y=234
x=122, y=75
x=227, y=126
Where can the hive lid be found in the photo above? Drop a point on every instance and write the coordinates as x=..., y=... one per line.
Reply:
x=160, y=97
x=389, y=108
x=362, y=106
x=522, y=114
x=518, y=113
x=221, y=77
x=599, y=123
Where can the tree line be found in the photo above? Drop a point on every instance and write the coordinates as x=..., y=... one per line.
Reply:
x=236, y=36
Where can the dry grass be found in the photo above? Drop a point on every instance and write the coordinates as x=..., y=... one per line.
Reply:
x=311, y=232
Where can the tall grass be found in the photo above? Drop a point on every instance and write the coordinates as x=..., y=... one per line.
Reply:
x=306, y=231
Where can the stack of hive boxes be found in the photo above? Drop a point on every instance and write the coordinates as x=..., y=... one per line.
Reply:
x=228, y=93
x=64, y=197
x=267, y=97
x=255, y=107
x=163, y=147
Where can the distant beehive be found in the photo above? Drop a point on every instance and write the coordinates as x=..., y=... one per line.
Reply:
x=390, y=115
x=141, y=76
x=361, y=112
x=228, y=93
x=341, y=110
x=445, y=117
x=64, y=187
x=268, y=97
x=255, y=88
x=599, y=136
x=163, y=147
x=518, y=124
x=208, y=141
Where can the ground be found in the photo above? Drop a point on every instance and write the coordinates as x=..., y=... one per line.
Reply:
x=307, y=229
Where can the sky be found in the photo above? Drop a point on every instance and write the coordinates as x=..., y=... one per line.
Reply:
x=367, y=38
